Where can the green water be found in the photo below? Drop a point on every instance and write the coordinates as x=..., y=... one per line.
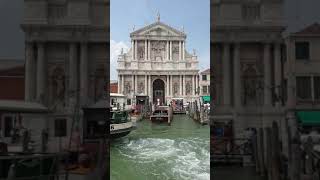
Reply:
x=159, y=152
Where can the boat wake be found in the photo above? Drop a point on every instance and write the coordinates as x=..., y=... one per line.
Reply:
x=182, y=158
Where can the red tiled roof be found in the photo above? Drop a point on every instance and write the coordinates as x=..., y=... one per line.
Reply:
x=14, y=71
x=313, y=29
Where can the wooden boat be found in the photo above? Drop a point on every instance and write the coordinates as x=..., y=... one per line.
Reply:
x=120, y=124
x=162, y=114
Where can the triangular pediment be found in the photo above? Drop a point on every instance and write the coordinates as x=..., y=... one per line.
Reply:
x=158, y=29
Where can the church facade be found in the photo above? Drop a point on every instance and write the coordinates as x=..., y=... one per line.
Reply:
x=158, y=65
x=66, y=64
x=247, y=54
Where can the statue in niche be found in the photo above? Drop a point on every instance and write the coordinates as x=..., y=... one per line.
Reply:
x=175, y=88
x=250, y=86
x=58, y=89
x=127, y=88
x=141, y=87
x=188, y=88
x=158, y=49
x=141, y=52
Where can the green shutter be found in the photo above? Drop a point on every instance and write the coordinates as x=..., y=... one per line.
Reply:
x=308, y=118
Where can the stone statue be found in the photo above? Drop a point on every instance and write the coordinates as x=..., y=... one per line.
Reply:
x=188, y=88
x=58, y=89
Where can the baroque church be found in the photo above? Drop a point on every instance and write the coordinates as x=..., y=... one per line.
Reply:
x=247, y=54
x=66, y=44
x=158, y=65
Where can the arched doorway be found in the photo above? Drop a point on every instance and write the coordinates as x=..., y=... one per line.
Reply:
x=158, y=91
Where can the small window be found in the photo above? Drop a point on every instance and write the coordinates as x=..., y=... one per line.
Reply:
x=204, y=90
x=316, y=84
x=304, y=88
x=204, y=77
x=128, y=101
x=251, y=11
x=302, y=50
x=60, y=127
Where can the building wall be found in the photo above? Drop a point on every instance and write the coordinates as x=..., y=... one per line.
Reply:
x=114, y=88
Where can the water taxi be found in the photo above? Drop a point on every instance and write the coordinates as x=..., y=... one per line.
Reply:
x=120, y=120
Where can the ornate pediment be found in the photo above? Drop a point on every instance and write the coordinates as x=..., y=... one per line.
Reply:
x=158, y=29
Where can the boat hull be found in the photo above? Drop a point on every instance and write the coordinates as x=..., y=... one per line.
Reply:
x=121, y=130
x=159, y=118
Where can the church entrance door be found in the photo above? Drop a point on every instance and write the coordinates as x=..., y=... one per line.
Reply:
x=158, y=91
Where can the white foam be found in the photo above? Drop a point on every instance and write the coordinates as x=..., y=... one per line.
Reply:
x=184, y=158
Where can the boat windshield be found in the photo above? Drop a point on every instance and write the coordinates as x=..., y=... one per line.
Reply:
x=118, y=117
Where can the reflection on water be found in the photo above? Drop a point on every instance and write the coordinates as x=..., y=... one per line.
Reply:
x=158, y=151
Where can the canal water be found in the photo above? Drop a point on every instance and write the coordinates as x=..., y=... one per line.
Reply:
x=160, y=152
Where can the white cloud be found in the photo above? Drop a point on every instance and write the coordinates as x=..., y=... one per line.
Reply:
x=115, y=51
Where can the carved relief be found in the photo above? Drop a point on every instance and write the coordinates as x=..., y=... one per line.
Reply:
x=175, y=88
x=58, y=88
x=141, y=88
x=175, y=51
x=141, y=50
x=127, y=87
x=188, y=88
x=251, y=85
x=158, y=50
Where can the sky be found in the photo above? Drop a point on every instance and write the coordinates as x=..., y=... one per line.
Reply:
x=192, y=15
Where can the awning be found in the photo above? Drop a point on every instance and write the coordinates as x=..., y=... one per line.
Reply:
x=308, y=118
x=206, y=98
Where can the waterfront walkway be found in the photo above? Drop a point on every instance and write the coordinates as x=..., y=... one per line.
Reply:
x=234, y=172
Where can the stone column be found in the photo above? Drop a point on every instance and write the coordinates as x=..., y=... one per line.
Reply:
x=170, y=50
x=84, y=73
x=237, y=76
x=136, y=83
x=132, y=46
x=122, y=84
x=197, y=85
x=149, y=50
x=135, y=49
x=277, y=70
x=145, y=50
x=167, y=82
x=291, y=82
x=149, y=86
x=183, y=50
x=145, y=85
x=180, y=85
x=40, y=72
x=72, y=73
x=267, y=74
x=119, y=84
x=29, y=67
x=193, y=86
x=226, y=74
x=180, y=57
x=132, y=81
x=171, y=85
x=167, y=50
x=184, y=85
